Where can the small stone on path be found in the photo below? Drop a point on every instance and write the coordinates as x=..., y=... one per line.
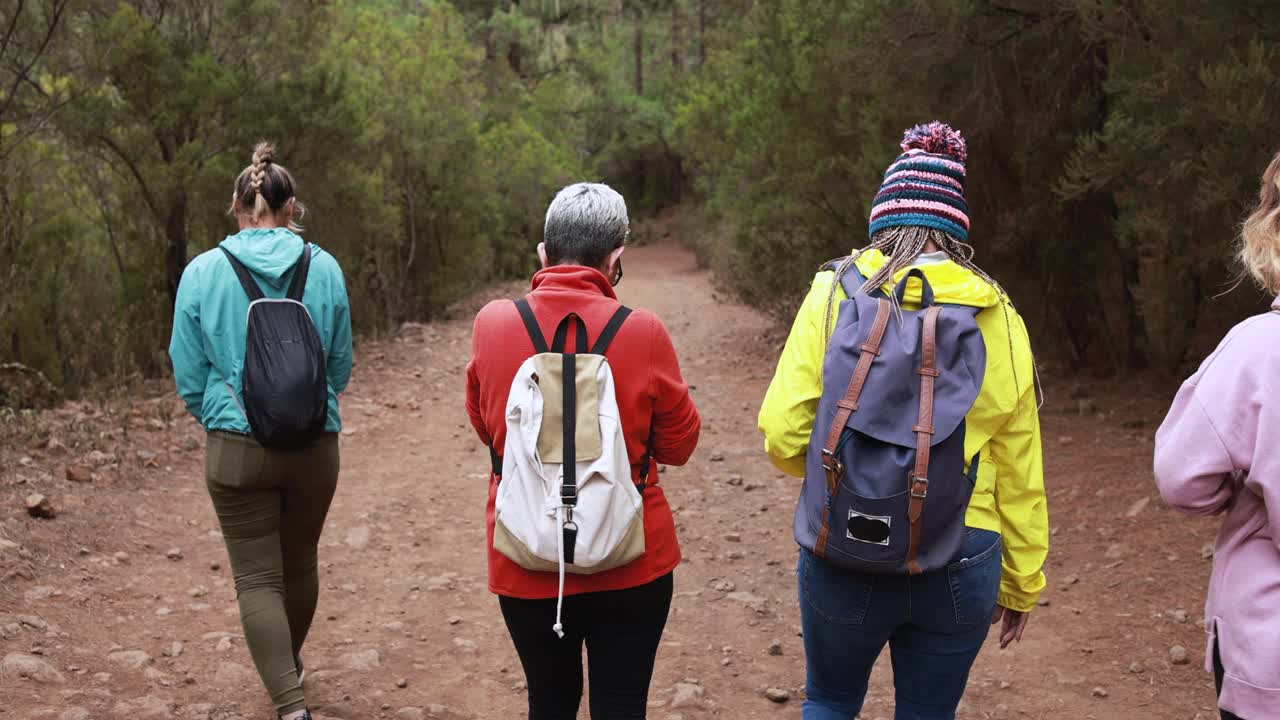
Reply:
x=30, y=667
x=1098, y=692
x=687, y=695
x=1178, y=655
x=439, y=583
x=130, y=659
x=362, y=660
x=38, y=506
x=755, y=602
x=1138, y=506
x=778, y=695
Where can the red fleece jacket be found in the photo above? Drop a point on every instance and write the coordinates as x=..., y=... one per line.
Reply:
x=649, y=387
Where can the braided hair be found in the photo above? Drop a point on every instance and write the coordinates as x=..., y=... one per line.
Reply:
x=264, y=187
x=901, y=245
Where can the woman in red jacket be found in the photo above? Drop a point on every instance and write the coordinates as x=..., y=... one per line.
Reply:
x=619, y=614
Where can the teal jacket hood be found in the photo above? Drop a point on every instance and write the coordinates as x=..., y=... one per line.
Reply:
x=271, y=253
x=210, y=322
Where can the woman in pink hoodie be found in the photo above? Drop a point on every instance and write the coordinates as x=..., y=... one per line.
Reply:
x=1218, y=452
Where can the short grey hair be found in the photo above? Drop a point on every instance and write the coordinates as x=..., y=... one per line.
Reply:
x=585, y=223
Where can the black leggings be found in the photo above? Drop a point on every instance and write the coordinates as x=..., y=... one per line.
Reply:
x=621, y=629
x=1218, y=674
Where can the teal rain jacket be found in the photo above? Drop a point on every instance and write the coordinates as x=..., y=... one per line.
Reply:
x=209, y=318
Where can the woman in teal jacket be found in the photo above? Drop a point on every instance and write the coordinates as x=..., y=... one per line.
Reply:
x=270, y=503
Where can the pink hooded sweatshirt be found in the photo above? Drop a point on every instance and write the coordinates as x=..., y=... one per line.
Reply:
x=1218, y=451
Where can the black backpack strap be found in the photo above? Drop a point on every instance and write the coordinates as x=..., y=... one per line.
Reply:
x=610, y=330
x=246, y=278
x=648, y=460
x=496, y=460
x=569, y=468
x=562, y=334
x=531, y=326
x=300, y=271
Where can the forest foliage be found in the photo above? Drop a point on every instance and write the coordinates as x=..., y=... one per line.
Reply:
x=1114, y=146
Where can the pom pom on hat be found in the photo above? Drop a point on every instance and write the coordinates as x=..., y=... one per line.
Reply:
x=937, y=138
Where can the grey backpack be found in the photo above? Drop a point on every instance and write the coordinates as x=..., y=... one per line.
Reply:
x=885, y=487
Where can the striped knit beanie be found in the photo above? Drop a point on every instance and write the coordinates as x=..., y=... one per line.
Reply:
x=925, y=185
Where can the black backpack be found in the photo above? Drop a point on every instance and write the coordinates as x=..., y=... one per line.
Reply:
x=285, y=386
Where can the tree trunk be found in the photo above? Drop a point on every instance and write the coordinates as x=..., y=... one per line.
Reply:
x=1116, y=270
x=175, y=233
x=675, y=38
x=515, y=53
x=639, y=52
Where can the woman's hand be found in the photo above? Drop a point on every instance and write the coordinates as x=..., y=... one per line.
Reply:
x=1014, y=624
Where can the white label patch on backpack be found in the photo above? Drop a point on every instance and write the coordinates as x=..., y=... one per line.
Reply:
x=870, y=529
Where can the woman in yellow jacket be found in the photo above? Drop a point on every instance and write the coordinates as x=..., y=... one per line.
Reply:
x=934, y=623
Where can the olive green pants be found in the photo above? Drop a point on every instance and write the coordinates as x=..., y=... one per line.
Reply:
x=271, y=505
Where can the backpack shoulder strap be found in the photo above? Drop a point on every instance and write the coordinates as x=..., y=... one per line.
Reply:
x=847, y=406
x=852, y=279
x=919, y=481
x=246, y=278
x=300, y=271
x=610, y=330
x=531, y=326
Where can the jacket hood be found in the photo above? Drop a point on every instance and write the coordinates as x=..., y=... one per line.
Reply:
x=269, y=252
x=951, y=283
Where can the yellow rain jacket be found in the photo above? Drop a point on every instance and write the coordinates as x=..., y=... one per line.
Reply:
x=1009, y=495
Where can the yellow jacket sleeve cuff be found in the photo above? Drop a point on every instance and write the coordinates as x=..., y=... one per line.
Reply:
x=1018, y=601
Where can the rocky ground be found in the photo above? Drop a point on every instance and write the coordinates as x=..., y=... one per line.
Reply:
x=119, y=604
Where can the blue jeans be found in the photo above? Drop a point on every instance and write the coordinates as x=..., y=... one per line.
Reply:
x=934, y=624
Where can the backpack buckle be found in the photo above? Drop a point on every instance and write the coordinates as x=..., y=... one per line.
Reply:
x=836, y=466
x=919, y=487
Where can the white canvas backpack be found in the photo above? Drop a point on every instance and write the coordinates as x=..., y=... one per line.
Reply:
x=566, y=501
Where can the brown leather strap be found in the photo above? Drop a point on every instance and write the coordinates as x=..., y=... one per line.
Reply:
x=846, y=407
x=918, y=483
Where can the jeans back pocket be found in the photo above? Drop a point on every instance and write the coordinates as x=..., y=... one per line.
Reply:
x=975, y=579
x=840, y=596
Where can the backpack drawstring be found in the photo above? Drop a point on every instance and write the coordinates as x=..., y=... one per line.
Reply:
x=559, y=626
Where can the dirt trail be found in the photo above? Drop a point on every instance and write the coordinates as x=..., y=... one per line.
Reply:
x=404, y=599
